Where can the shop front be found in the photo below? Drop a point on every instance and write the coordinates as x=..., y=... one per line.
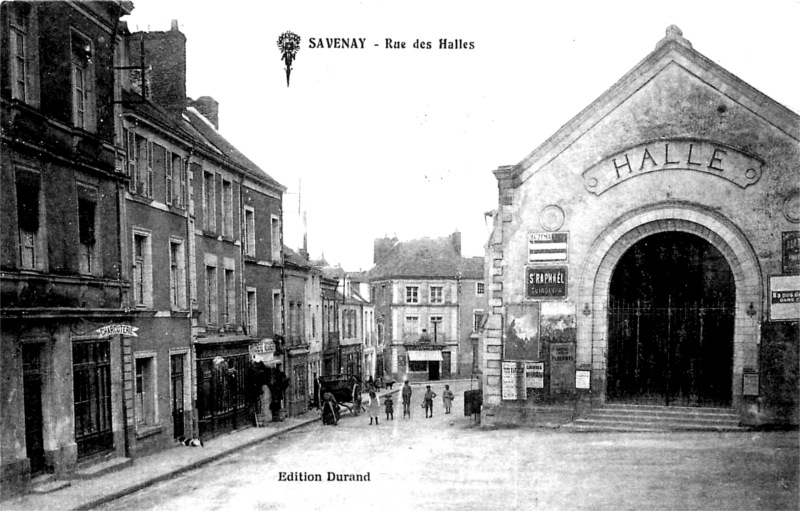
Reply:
x=641, y=250
x=224, y=398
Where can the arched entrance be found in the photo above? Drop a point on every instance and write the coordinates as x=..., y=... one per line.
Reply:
x=671, y=323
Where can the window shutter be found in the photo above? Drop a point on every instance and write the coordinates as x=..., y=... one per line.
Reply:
x=149, y=169
x=28, y=206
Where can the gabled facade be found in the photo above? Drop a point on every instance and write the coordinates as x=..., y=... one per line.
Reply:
x=647, y=251
x=63, y=276
x=420, y=297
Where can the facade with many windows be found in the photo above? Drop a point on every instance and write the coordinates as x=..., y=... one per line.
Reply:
x=425, y=297
x=63, y=279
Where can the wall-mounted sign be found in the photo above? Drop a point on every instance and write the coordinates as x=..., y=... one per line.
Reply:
x=750, y=382
x=534, y=375
x=105, y=331
x=784, y=297
x=546, y=282
x=562, y=367
x=790, y=250
x=521, y=336
x=512, y=376
x=546, y=247
x=674, y=154
x=583, y=379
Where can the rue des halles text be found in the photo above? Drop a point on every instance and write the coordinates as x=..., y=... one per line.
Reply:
x=360, y=43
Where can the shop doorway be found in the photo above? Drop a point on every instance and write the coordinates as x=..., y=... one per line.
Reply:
x=433, y=371
x=671, y=323
x=32, y=391
x=176, y=380
x=91, y=376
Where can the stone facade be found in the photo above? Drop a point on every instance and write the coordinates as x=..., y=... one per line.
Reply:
x=678, y=145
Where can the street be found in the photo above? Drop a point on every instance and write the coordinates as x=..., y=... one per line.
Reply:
x=447, y=463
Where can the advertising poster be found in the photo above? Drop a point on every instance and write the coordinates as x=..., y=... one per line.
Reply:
x=521, y=340
x=562, y=368
x=534, y=375
x=784, y=298
x=512, y=380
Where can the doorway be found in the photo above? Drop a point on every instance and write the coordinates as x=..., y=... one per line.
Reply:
x=32, y=391
x=433, y=370
x=670, y=323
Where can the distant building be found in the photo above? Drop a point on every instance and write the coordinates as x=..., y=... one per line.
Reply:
x=426, y=295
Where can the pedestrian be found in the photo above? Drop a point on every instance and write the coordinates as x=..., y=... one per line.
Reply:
x=374, y=408
x=447, y=398
x=428, y=401
x=356, y=398
x=389, y=404
x=330, y=409
x=371, y=386
x=406, y=400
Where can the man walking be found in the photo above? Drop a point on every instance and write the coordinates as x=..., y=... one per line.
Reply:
x=406, y=400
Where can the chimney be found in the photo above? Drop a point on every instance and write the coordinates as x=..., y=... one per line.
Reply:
x=382, y=248
x=209, y=107
x=455, y=239
x=165, y=56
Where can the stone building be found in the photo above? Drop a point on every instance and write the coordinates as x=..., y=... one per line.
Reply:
x=63, y=287
x=425, y=295
x=646, y=253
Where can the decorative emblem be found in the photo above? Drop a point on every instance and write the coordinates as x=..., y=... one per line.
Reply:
x=289, y=45
x=552, y=218
x=791, y=207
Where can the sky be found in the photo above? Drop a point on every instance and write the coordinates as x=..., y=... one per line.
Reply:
x=402, y=142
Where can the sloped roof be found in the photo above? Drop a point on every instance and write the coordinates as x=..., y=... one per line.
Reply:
x=425, y=258
x=673, y=48
x=293, y=258
x=195, y=129
x=228, y=151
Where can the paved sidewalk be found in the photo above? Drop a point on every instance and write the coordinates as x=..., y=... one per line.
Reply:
x=151, y=469
x=147, y=470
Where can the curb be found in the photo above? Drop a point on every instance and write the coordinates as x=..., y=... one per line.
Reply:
x=105, y=499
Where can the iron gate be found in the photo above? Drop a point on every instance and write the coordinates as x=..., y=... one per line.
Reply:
x=670, y=354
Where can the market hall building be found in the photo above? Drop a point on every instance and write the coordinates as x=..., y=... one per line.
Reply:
x=647, y=252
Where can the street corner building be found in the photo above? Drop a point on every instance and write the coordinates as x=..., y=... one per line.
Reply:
x=647, y=252
x=429, y=304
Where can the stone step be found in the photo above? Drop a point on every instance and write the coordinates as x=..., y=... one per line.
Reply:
x=656, y=418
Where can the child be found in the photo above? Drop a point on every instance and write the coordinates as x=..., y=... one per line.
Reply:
x=374, y=407
x=389, y=404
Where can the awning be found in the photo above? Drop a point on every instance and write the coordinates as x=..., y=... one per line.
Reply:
x=425, y=355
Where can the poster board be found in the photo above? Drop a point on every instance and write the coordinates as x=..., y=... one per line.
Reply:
x=521, y=336
x=784, y=297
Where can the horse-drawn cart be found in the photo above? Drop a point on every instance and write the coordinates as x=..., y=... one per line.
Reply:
x=345, y=388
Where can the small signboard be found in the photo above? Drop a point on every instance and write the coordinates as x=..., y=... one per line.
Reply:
x=583, y=379
x=512, y=377
x=546, y=282
x=790, y=250
x=784, y=297
x=750, y=383
x=562, y=367
x=534, y=375
x=547, y=246
x=108, y=330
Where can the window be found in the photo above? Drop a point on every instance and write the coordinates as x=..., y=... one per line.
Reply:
x=145, y=403
x=412, y=294
x=177, y=275
x=142, y=270
x=277, y=327
x=19, y=52
x=30, y=249
x=275, y=231
x=412, y=325
x=249, y=231
x=86, y=230
x=437, y=294
x=140, y=164
x=252, y=312
x=212, y=312
x=229, y=298
x=209, y=207
x=477, y=319
x=479, y=289
x=158, y=167
x=169, y=188
x=82, y=82
x=227, y=208
x=314, y=322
